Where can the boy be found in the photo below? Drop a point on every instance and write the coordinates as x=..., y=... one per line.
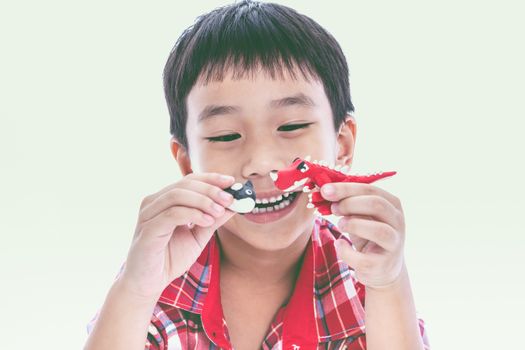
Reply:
x=250, y=87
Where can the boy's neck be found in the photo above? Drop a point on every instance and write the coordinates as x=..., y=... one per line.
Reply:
x=262, y=269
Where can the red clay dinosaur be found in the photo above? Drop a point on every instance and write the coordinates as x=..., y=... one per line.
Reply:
x=315, y=174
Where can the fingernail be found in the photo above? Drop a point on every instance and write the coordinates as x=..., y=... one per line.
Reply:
x=328, y=189
x=226, y=178
x=225, y=196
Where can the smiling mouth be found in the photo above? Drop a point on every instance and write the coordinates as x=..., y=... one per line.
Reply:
x=275, y=206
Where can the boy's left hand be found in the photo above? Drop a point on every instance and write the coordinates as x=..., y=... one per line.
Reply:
x=375, y=223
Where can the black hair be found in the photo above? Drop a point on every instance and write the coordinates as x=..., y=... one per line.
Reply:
x=244, y=35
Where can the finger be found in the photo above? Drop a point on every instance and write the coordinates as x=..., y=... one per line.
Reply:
x=357, y=260
x=163, y=224
x=372, y=206
x=203, y=234
x=350, y=189
x=216, y=179
x=200, y=195
x=354, y=240
x=378, y=232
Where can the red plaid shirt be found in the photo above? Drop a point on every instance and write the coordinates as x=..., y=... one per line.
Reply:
x=326, y=310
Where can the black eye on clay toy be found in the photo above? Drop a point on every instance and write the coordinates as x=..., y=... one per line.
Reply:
x=243, y=197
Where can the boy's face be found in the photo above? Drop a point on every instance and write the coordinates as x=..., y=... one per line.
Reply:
x=256, y=139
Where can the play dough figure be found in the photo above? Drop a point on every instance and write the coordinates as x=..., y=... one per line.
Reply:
x=313, y=175
x=243, y=197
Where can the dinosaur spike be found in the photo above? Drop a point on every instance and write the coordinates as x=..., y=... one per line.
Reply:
x=306, y=189
x=310, y=205
x=314, y=161
x=337, y=167
x=345, y=169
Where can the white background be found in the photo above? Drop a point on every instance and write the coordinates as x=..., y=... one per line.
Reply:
x=438, y=89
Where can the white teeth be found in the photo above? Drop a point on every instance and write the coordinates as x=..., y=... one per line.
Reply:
x=270, y=200
x=284, y=203
x=286, y=194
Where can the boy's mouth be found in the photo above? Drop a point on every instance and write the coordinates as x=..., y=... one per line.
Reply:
x=274, y=203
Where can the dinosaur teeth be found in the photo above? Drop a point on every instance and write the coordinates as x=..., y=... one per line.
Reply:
x=337, y=167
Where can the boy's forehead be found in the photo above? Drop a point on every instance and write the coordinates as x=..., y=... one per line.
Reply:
x=257, y=87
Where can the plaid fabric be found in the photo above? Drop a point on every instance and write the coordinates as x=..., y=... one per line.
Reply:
x=326, y=310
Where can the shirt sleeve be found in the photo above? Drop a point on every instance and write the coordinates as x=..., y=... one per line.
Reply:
x=423, y=328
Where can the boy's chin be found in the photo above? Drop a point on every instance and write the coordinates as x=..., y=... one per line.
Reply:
x=280, y=238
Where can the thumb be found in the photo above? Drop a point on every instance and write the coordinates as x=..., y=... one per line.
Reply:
x=346, y=252
x=203, y=234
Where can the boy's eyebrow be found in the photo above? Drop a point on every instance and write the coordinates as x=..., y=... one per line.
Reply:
x=299, y=99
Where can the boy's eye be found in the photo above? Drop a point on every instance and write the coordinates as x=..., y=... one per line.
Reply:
x=231, y=137
x=292, y=127
x=223, y=138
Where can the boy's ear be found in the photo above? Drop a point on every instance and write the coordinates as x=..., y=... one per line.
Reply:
x=346, y=141
x=181, y=155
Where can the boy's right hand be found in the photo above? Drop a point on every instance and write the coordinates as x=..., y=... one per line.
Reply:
x=164, y=246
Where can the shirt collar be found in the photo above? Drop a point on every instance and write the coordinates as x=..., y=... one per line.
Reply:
x=325, y=297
